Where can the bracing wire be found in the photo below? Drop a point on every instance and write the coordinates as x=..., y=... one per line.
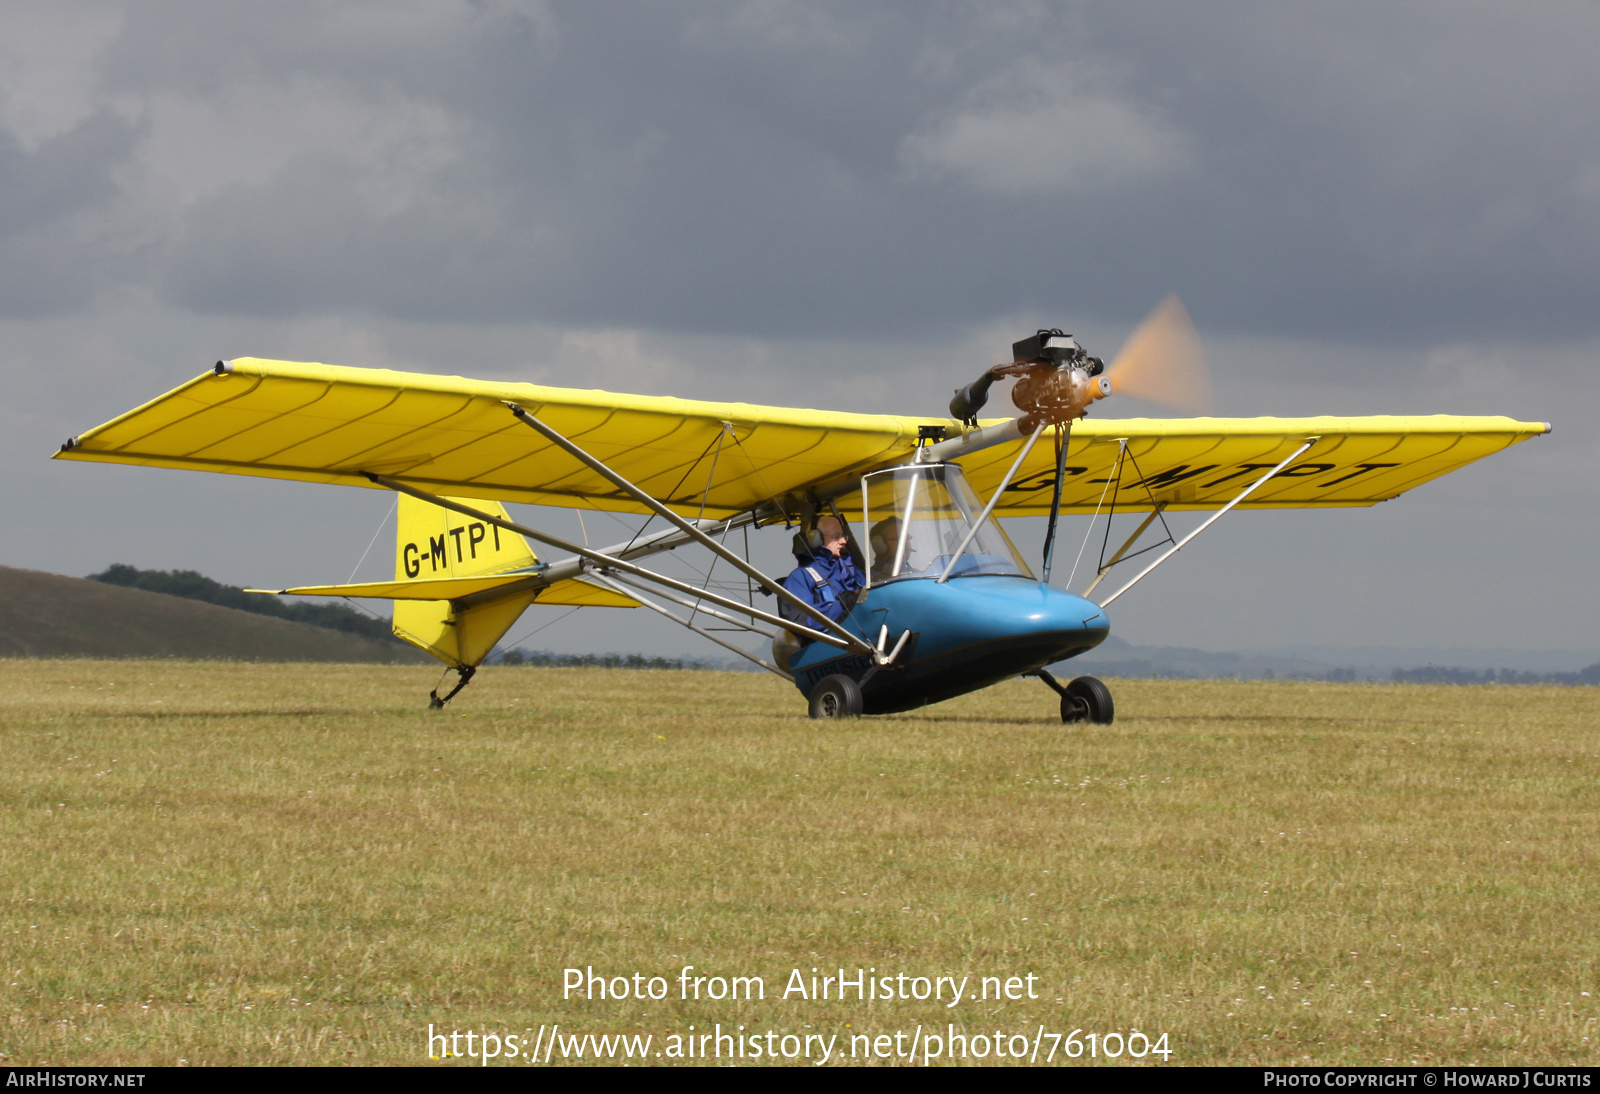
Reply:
x=1145, y=482
x=759, y=476
x=542, y=626
x=392, y=506
x=705, y=496
x=671, y=493
x=364, y=609
x=1116, y=476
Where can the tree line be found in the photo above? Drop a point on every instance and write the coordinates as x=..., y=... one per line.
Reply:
x=195, y=586
x=1432, y=674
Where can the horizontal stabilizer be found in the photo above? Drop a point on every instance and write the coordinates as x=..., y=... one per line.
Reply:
x=571, y=591
x=578, y=592
x=438, y=588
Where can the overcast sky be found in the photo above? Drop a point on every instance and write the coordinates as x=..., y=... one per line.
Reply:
x=1386, y=207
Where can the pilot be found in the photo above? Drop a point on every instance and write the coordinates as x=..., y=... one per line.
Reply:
x=826, y=577
x=885, y=540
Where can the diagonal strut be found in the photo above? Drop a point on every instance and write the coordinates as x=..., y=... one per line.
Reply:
x=604, y=561
x=855, y=642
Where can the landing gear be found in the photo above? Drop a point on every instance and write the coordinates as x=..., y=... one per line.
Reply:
x=836, y=697
x=1084, y=700
x=1087, y=700
x=465, y=673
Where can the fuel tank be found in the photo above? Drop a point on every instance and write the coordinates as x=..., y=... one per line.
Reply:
x=966, y=634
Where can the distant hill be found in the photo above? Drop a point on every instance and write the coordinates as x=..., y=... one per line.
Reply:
x=196, y=586
x=1116, y=657
x=47, y=615
x=1432, y=674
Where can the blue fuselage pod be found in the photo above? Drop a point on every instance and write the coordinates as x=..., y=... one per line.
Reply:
x=966, y=634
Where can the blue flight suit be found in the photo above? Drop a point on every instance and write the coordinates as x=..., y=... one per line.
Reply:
x=827, y=583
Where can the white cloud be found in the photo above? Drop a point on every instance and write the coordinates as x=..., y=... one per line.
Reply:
x=1041, y=130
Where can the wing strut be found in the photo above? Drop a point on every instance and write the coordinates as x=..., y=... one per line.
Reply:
x=851, y=641
x=1176, y=547
x=617, y=586
x=693, y=605
x=604, y=561
x=993, y=501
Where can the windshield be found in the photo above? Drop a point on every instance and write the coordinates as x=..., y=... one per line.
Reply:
x=916, y=518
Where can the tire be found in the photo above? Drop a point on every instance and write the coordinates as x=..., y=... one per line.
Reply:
x=836, y=697
x=1087, y=700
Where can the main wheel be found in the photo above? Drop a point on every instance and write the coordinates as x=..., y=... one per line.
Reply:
x=1087, y=700
x=836, y=697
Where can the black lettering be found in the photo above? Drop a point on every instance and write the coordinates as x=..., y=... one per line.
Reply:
x=1244, y=469
x=1362, y=469
x=1174, y=475
x=496, y=528
x=436, y=556
x=1300, y=470
x=412, y=562
x=475, y=534
x=1042, y=482
x=455, y=533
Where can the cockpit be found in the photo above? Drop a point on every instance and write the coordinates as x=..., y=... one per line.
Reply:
x=923, y=521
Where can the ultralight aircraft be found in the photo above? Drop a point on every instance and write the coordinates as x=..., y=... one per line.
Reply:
x=950, y=604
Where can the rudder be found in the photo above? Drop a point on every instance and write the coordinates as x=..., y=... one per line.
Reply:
x=431, y=541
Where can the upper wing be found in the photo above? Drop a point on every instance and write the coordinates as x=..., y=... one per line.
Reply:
x=1202, y=463
x=450, y=435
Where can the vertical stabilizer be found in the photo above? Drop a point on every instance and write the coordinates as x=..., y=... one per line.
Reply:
x=436, y=542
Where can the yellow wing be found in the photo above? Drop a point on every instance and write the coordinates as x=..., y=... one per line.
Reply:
x=450, y=435
x=1202, y=463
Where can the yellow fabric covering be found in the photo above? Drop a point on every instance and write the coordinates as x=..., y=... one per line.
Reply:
x=450, y=435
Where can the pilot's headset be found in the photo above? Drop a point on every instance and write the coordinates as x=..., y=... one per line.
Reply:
x=885, y=538
x=878, y=537
x=808, y=542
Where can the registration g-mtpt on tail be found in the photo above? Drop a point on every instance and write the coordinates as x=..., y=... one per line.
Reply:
x=947, y=604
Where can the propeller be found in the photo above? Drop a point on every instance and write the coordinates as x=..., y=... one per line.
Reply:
x=1057, y=381
x=1162, y=362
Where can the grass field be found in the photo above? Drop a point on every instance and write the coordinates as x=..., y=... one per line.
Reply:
x=230, y=863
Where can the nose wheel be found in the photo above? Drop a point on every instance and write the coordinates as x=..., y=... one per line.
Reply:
x=1083, y=700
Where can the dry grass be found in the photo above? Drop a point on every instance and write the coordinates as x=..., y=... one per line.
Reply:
x=295, y=864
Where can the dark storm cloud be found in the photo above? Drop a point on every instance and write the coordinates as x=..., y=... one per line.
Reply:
x=1420, y=170
x=1373, y=173
x=1382, y=209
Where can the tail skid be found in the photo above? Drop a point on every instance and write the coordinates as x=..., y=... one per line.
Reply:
x=464, y=675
